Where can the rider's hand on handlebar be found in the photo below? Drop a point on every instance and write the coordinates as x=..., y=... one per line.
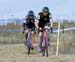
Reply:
x=47, y=27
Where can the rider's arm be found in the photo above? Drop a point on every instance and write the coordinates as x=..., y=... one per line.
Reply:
x=51, y=25
x=51, y=21
x=24, y=24
x=37, y=21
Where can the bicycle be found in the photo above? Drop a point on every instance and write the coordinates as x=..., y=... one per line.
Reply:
x=28, y=41
x=45, y=41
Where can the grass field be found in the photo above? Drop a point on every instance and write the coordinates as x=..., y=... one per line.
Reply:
x=12, y=47
x=15, y=51
x=18, y=53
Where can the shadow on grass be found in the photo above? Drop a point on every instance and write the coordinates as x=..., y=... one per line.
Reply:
x=33, y=52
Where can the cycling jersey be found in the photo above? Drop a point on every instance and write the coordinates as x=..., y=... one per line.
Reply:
x=43, y=20
x=29, y=23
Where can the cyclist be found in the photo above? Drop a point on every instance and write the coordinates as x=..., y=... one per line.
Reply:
x=29, y=23
x=43, y=19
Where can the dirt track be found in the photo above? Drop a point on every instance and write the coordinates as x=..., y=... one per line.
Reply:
x=18, y=53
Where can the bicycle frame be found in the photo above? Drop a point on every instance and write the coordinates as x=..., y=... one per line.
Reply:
x=45, y=41
x=29, y=38
x=29, y=41
x=45, y=38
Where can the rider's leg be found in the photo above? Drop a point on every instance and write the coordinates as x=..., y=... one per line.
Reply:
x=40, y=40
x=32, y=38
x=48, y=34
x=48, y=37
x=26, y=33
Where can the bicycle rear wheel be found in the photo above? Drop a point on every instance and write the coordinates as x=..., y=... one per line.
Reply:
x=47, y=51
x=43, y=51
x=46, y=46
x=28, y=50
x=43, y=47
x=29, y=45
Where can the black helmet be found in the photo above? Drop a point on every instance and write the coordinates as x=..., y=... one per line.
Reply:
x=45, y=9
x=30, y=13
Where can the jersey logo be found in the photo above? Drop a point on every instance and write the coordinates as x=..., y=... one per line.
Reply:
x=45, y=19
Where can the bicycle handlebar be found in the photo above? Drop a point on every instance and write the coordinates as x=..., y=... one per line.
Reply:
x=46, y=27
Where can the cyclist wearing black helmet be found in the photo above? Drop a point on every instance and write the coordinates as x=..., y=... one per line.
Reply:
x=43, y=19
x=30, y=24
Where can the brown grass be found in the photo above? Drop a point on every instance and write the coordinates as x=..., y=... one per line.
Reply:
x=18, y=53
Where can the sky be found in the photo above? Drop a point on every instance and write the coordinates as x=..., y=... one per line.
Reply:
x=60, y=9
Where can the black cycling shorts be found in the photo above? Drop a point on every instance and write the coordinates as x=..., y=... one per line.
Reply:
x=30, y=26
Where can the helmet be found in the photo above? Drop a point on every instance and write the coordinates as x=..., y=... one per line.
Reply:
x=30, y=13
x=45, y=9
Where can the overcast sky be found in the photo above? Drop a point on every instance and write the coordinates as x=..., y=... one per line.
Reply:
x=19, y=8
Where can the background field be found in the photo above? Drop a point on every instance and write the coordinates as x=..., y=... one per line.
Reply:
x=12, y=47
x=18, y=53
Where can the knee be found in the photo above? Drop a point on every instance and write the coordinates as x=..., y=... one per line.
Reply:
x=40, y=34
x=32, y=34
